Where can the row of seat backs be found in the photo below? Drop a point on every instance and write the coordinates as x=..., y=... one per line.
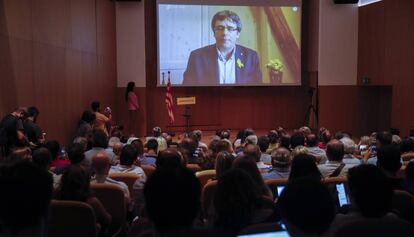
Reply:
x=73, y=218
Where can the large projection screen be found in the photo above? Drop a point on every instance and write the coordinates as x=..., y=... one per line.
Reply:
x=260, y=46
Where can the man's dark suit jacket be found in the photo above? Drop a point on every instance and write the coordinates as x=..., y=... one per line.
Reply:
x=202, y=67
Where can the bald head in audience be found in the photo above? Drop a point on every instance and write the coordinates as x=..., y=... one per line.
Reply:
x=101, y=164
x=335, y=150
x=253, y=151
x=281, y=157
x=117, y=148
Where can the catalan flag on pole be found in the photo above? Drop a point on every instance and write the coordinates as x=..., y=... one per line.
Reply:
x=169, y=101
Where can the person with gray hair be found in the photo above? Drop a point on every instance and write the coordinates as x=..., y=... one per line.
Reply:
x=224, y=62
x=281, y=161
x=349, y=149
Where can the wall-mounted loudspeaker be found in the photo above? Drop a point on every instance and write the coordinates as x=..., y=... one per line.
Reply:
x=346, y=1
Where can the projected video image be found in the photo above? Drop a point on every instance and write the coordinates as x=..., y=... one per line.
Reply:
x=224, y=45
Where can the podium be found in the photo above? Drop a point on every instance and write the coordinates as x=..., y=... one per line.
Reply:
x=187, y=114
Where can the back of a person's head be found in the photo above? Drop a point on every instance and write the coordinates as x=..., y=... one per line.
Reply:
x=169, y=157
x=152, y=144
x=189, y=144
x=326, y=136
x=224, y=161
x=263, y=143
x=306, y=207
x=172, y=198
x=76, y=153
x=224, y=145
x=101, y=163
x=139, y=145
x=42, y=157
x=245, y=133
x=156, y=131
x=235, y=198
x=304, y=165
x=311, y=140
x=407, y=145
x=54, y=148
x=88, y=116
x=252, y=151
x=335, y=150
x=81, y=140
x=273, y=136
x=383, y=138
x=197, y=135
x=389, y=158
x=299, y=150
x=95, y=105
x=251, y=139
x=99, y=138
x=371, y=190
x=225, y=134
x=349, y=145
x=285, y=141
x=247, y=164
x=281, y=157
x=25, y=198
x=129, y=154
x=297, y=139
x=33, y=112
x=74, y=184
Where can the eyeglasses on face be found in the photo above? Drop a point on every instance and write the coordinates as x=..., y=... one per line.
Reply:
x=222, y=28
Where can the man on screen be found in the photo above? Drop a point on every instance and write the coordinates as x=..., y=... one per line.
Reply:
x=224, y=62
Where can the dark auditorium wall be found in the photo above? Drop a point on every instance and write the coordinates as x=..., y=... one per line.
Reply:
x=58, y=55
x=386, y=54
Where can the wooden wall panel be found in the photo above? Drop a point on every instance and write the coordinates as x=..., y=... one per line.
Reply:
x=49, y=79
x=22, y=61
x=7, y=83
x=371, y=32
x=18, y=19
x=391, y=46
x=106, y=30
x=83, y=25
x=58, y=69
x=51, y=22
x=3, y=22
x=355, y=109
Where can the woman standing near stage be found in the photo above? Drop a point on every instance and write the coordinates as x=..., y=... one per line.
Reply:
x=132, y=101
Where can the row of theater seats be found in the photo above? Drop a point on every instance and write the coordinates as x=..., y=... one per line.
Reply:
x=71, y=218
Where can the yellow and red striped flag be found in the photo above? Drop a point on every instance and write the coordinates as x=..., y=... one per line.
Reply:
x=169, y=101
